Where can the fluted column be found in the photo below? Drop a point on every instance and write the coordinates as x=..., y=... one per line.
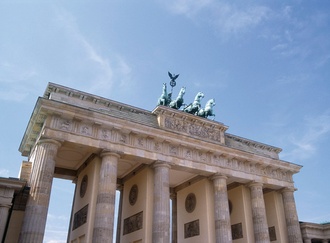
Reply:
x=221, y=210
x=259, y=217
x=291, y=216
x=174, y=218
x=43, y=167
x=161, y=210
x=106, y=196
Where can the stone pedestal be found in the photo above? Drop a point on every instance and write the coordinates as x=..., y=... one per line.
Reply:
x=41, y=179
x=291, y=216
x=105, y=203
x=260, y=226
x=161, y=210
x=221, y=210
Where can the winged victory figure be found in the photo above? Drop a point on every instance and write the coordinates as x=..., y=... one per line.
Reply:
x=173, y=77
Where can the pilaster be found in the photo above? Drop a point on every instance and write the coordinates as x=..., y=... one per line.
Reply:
x=221, y=210
x=120, y=211
x=105, y=202
x=161, y=210
x=174, y=217
x=260, y=226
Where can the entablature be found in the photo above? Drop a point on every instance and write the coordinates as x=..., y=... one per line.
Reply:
x=159, y=144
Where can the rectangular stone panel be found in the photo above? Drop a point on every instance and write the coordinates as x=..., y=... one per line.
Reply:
x=272, y=233
x=80, y=217
x=191, y=229
x=237, y=231
x=133, y=223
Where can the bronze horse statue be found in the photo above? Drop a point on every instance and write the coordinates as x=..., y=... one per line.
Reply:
x=196, y=105
x=208, y=110
x=178, y=102
x=164, y=99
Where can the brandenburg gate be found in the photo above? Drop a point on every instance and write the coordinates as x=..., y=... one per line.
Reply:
x=182, y=178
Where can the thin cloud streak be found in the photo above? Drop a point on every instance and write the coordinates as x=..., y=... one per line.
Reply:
x=17, y=82
x=316, y=129
x=105, y=69
x=225, y=18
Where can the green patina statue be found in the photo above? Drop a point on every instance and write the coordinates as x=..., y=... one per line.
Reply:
x=208, y=110
x=178, y=102
x=164, y=99
x=193, y=108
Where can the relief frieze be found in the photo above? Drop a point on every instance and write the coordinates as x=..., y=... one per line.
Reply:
x=181, y=151
x=80, y=217
x=104, y=134
x=133, y=223
x=192, y=129
x=191, y=229
x=237, y=231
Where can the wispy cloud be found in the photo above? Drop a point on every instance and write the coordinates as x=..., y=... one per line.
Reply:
x=108, y=70
x=225, y=18
x=315, y=129
x=17, y=82
x=300, y=36
x=232, y=19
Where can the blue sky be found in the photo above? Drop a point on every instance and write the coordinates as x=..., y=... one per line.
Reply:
x=266, y=63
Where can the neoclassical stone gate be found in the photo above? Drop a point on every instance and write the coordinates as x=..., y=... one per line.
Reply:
x=173, y=169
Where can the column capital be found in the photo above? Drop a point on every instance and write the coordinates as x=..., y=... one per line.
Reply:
x=254, y=184
x=218, y=176
x=288, y=189
x=49, y=140
x=110, y=153
x=159, y=163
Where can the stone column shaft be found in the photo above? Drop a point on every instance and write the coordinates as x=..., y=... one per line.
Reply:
x=291, y=216
x=221, y=210
x=259, y=217
x=106, y=197
x=43, y=167
x=4, y=212
x=161, y=210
